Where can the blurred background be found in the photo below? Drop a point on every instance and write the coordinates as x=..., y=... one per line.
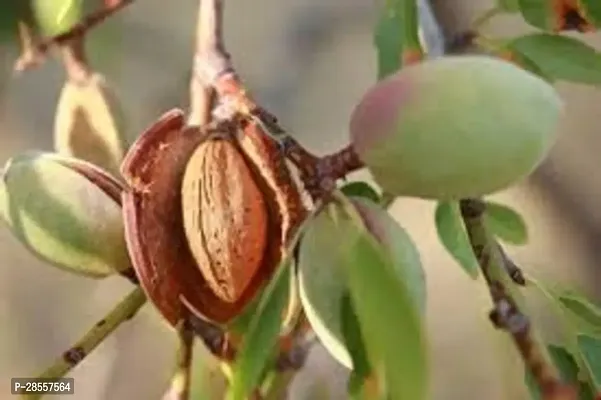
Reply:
x=307, y=61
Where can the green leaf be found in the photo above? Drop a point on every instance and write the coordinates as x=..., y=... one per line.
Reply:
x=322, y=276
x=389, y=42
x=581, y=308
x=261, y=337
x=390, y=322
x=453, y=236
x=360, y=189
x=351, y=330
x=66, y=212
x=590, y=348
x=560, y=57
x=260, y=342
x=506, y=223
x=538, y=13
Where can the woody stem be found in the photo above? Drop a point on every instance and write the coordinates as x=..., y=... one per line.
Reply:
x=508, y=311
x=122, y=312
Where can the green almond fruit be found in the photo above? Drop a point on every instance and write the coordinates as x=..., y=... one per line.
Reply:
x=66, y=211
x=88, y=123
x=56, y=16
x=321, y=273
x=455, y=127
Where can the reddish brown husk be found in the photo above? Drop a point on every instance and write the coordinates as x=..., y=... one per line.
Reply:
x=160, y=252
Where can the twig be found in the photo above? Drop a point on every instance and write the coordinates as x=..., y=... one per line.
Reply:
x=507, y=313
x=75, y=60
x=33, y=56
x=213, y=67
x=179, y=388
x=202, y=96
x=122, y=312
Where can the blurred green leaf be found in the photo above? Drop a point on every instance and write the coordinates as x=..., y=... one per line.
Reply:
x=62, y=215
x=506, y=223
x=560, y=57
x=360, y=189
x=389, y=41
x=56, y=16
x=390, y=322
x=538, y=13
x=351, y=330
x=590, y=348
x=261, y=339
x=581, y=308
x=453, y=236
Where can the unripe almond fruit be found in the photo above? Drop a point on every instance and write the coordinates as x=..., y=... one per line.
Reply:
x=322, y=276
x=87, y=123
x=455, y=127
x=66, y=211
x=55, y=17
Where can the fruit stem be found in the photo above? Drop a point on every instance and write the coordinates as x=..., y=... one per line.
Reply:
x=508, y=304
x=41, y=47
x=179, y=388
x=122, y=312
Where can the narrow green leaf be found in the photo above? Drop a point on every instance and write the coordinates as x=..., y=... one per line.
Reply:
x=538, y=13
x=360, y=189
x=453, y=236
x=389, y=42
x=261, y=338
x=351, y=331
x=581, y=308
x=506, y=223
x=390, y=322
x=590, y=348
x=396, y=33
x=560, y=57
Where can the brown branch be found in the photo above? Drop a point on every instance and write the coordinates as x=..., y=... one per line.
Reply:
x=36, y=53
x=507, y=314
x=213, y=67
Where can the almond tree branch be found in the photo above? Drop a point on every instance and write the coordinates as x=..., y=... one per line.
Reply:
x=37, y=50
x=213, y=67
x=508, y=311
x=122, y=312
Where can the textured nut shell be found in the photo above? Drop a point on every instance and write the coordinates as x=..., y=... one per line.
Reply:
x=224, y=217
x=154, y=168
x=85, y=124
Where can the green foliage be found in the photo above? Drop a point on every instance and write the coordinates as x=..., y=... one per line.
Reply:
x=452, y=235
x=538, y=13
x=259, y=345
x=361, y=189
x=506, y=223
x=323, y=274
x=590, y=347
x=560, y=57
